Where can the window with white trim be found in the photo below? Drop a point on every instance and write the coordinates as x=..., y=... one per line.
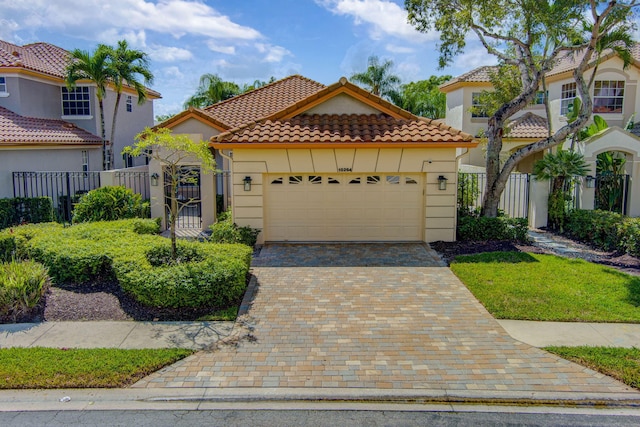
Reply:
x=129, y=103
x=477, y=108
x=76, y=101
x=568, y=93
x=608, y=96
x=85, y=161
x=540, y=98
x=3, y=84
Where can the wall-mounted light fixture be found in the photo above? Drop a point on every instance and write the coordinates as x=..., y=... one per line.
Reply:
x=247, y=183
x=591, y=181
x=442, y=182
x=154, y=179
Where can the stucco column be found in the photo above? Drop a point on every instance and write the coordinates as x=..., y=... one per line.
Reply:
x=634, y=191
x=208, y=198
x=588, y=195
x=107, y=178
x=538, y=203
x=156, y=193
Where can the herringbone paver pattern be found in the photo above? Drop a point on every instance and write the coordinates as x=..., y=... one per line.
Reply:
x=314, y=324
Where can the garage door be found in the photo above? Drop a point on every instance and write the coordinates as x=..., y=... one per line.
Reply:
x=344, y=207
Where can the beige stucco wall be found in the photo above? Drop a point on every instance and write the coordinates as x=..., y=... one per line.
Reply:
x=37, y=159
x=342, y=104
x=439, y=206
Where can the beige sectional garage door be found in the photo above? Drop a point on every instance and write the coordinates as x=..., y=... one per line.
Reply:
x=344, y=207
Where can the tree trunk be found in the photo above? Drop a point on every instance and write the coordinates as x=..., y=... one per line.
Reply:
x=103, y=134
x=113, y=125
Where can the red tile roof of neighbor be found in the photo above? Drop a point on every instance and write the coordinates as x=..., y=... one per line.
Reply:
x=345, y=128
x=20, y=130
x=528, y=126
x=262, y=102
x=43, y=58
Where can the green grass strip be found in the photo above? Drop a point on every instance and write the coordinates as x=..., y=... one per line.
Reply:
x=622, y=364
x=525, y=286
x=45, y=368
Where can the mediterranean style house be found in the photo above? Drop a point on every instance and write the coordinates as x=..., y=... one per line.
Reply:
x=48, y=127
x=616, y=98
x=310, y=162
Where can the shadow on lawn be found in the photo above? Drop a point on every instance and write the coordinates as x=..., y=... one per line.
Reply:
x=496, y=257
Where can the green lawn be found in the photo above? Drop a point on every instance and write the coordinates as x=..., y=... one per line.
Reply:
x=80, y=368
x=517, y=285
x=620, y=363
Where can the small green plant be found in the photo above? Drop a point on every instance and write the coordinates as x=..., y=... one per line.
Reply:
x=25, y=210
x=108, y=204
x=22, y=285
x=472, y=227
x=160, y=255
x=225, y=231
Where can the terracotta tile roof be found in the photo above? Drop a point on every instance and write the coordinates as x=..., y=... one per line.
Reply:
x=40, y=57
x=263, y=102
x=345, y=128
x=480, y=74
x=528, y=126
x=16, y=129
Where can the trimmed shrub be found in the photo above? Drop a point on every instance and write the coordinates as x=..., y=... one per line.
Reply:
x=629, y=236
x=478, y=228
x=147, y=226
x=109, y=204
x=24, y=210
x=606, y=230
x=225, y=231
x=22, y=285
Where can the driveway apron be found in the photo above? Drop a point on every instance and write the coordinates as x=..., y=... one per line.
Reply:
x=387, y=316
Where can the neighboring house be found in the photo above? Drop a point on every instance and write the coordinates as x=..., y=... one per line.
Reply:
x=29, y=144
x=32, y=85
x=342, y=164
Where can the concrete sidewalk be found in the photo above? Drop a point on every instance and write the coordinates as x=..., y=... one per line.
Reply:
x=191, y=335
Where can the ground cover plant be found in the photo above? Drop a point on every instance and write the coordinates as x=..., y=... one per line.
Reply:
x=622, y=364
x=22, y=285
x=528, y=286
x=46, y=368
x=128, y=252
x=110, y=203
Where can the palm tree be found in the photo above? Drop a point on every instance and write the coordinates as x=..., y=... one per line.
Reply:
x=92, y=66
x=127, y=65
x=212, y=89
x=378, y=79
x=561, y=168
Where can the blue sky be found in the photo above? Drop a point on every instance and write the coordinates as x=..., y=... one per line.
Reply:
x=241, y=40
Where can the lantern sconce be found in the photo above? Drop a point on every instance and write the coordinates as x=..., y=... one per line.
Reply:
x=591, y=181
x=154, y=179
x=247, y=183
x=442, y=182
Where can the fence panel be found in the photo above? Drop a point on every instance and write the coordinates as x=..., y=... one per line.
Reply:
x=137, y=181
x=64, y=188
x=514, y=200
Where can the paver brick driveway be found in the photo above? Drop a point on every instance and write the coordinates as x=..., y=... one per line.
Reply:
x=371, y=316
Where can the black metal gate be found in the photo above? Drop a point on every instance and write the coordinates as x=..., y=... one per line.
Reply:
x=612, y=193
x=64, y=188
x=514, y=201
x=188, y=196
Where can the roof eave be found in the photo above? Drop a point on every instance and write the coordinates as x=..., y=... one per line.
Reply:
x=307, y=145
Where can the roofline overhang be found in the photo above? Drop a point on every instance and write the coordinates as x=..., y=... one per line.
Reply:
x=34, y=145
x=332, y=145
x=458, y=85
x=192, y=113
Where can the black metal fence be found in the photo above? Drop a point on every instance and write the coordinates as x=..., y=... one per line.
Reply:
x=514, y=201
x=137, y=181
x=612, y=193
x=64, y=188
x=188, y=197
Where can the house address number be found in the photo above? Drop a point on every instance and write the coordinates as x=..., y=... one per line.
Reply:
x=344, y=169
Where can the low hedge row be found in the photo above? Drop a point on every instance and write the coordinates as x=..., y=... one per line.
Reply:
x=117, y=249
x=478, y=228
x=606, y=230
x=22, y=210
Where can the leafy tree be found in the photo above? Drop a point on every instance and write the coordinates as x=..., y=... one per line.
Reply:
x=127, y=65
x=163, y=117
x=561, y=169
x=212, y=89
x=93, y=66
x=379, y=80
x=530, y=35
x=424, y=98
x=173, y=152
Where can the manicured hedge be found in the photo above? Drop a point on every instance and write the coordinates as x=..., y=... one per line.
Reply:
x=22, y=210
x=108, y=204
x=215, y=276
x=478, y=228
x=606, y=230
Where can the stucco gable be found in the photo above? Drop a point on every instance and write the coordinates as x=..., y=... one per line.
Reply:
x=613, y=138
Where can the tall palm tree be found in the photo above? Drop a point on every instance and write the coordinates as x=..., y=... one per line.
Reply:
x=92, y=66
x=378, y=79
x=127, y=65
x=212, y=89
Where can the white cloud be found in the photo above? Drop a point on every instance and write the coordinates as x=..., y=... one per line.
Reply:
x=474, y=57
x=168, y=53
x=8, y=29
x=217, y=47
x=272, y=53
x=174, y=17
x=172, y=72
x=394, y=48
x=385, y=18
